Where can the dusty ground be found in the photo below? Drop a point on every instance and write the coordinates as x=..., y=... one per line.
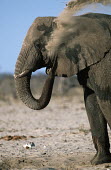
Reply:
x=60, y=132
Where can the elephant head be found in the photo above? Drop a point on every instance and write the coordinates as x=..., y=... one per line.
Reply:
x=32, y=57
x=87, y=40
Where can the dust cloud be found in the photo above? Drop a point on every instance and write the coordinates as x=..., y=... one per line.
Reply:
x=65, y=23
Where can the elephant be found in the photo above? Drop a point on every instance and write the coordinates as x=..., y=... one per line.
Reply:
x=86, y=52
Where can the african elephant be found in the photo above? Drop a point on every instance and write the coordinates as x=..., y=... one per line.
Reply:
x=87, y=53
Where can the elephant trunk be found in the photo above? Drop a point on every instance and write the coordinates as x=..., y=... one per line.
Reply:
x=24, y=92
x=22, y=83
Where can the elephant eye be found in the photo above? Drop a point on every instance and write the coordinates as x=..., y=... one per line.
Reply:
x=37, y=44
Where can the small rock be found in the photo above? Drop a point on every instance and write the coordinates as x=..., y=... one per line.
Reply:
x=44, y=147
x=44, y=153
x=107, y=166
x=29, y=145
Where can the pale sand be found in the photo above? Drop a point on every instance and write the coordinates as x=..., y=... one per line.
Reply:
x=60, y=132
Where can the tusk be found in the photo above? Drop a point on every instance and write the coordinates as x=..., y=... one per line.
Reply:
x=23, y=74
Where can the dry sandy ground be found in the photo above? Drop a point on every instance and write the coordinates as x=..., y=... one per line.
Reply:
x=60, y=132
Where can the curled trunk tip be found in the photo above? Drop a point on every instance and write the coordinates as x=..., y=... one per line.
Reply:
x=24, y=92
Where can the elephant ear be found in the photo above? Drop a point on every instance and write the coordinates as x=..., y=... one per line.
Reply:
x=86, y=45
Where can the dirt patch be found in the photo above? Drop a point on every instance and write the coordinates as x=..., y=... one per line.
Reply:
x=60, y=133
x=7, y=138
x=76, y=161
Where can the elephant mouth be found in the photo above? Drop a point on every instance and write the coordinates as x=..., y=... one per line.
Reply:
x=49, y=72
x=51, y=69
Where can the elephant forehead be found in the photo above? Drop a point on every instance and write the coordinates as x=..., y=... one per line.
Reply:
x=45, y=20
x=40, y=27
x=43, y=24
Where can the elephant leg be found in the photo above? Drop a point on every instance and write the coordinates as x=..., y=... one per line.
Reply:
x=98, y=126
x=106, y=109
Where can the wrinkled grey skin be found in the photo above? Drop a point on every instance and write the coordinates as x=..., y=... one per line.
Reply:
x=87, y=53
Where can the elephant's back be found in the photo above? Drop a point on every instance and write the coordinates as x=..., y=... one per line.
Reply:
x=100, y=18
x=96, y=16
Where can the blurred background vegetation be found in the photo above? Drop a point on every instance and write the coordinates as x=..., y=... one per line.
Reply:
x=62, y=86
